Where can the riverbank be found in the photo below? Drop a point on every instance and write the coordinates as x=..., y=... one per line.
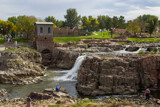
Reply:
x=66, y=101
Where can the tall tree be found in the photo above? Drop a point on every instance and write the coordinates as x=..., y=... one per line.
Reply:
x=121, y=22
x=50, y=19
x=115, y=22
x=152, y=23
x=13, y=19
x=27, y=24
x=108, y=23
x=149, y=23
x=133, y=27
x=72, y=18
x=101, y=19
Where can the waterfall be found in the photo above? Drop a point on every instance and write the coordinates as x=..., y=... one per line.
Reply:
x=71, y=75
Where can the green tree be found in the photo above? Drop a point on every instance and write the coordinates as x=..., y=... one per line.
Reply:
x=115, y=22
x=121, y=22
x=6, y=27
x=72, y=18
x=50, y=19
x=108, y=23
x=151, y=24
x=133, y=27
x=148, y=23
x=26, y=25
x=101, y=19
x=13, y=19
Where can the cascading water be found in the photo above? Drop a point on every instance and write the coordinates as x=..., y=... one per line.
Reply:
x=72, y=74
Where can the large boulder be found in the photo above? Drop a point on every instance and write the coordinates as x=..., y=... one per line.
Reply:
x=132, y=48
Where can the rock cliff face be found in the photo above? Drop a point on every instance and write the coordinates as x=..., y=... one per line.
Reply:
x=118, y=75
x=63, y=59
x=20, y=66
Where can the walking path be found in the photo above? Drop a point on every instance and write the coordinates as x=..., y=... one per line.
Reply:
x=2, y=48
x=95, y=33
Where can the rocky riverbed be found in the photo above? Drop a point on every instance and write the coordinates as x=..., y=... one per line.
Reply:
x=99, y=74
x=50, y=97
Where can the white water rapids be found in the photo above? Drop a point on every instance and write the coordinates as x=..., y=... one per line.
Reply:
x=71, y=75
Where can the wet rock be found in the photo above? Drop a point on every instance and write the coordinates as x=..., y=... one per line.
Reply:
x=132, y=48
x=152, y=49
x=82, y=46
x=39, y=96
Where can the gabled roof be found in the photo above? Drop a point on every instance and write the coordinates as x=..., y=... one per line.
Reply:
x=41, y=23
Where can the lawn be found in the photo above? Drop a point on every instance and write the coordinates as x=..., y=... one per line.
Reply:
x=1, y=40
x=18, y=39
x=100, y=35
x=144, y=39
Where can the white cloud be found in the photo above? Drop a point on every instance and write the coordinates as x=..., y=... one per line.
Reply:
x=147, y=10
x=57, y=8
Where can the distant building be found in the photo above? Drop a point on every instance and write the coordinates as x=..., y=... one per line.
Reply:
x=119, y=31
x=44, y=36
x=65, y=32
x=44, y=28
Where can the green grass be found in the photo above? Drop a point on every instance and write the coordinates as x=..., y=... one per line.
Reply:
x=144, y=39
x=69, y=39
x=18, y=39
x=1, y=40
x=21, y=50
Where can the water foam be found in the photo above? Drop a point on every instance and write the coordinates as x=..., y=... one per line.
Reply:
x=71, y=75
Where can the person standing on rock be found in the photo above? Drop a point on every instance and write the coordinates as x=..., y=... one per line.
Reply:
x=29, y=100
x=147, y=93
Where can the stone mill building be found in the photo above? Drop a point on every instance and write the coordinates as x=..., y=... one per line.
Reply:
x=44, y=39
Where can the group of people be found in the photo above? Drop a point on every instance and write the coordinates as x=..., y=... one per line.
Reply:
x=8, y=38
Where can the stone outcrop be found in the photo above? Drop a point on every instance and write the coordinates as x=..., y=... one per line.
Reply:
x=48, y=94
x=20, y=66
x=63, y=59
x=118, y=75
x=132, y=48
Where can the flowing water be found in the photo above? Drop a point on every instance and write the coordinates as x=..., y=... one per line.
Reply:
x=71, y=75
x=67, y=81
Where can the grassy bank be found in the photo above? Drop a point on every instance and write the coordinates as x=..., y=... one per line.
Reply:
x=1, y=40
x=147, y=40
x=97, y=35
x=18, y=39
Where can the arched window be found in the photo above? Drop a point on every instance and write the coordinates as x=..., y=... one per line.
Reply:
x=41, y=29
x=49, y=30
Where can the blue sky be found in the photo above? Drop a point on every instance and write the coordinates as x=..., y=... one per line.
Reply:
x=57, y=8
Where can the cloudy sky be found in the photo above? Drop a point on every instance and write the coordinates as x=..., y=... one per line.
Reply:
x=57, y=8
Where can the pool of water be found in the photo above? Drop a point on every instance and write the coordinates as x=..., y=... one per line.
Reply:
x=16, y=91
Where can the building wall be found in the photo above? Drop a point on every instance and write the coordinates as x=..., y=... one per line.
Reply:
x=44, y=42
x=65, y=32
x=45, y=30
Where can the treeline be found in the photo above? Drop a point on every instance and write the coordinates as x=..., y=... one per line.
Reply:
x=25, y=24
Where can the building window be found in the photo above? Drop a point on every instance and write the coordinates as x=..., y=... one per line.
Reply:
x=49, y=30
x=41, y=29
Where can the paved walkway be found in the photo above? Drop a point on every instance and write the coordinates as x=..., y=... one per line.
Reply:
x=2, y=48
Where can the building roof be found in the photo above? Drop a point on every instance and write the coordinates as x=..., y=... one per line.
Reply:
x=41, y=23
